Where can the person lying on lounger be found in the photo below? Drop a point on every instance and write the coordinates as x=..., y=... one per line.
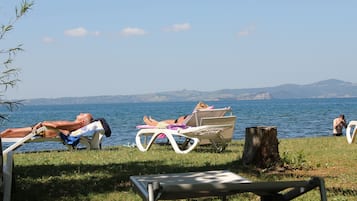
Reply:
x=152, y=122
x=65, y=127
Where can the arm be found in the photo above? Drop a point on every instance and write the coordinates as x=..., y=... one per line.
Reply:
x=344, y=123
x=63, y=125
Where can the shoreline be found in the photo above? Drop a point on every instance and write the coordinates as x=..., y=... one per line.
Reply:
x=133, y=145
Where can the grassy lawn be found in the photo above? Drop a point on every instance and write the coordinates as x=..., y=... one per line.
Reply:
x=104, y=174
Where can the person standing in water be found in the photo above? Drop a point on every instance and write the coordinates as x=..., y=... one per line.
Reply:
x=338, y=124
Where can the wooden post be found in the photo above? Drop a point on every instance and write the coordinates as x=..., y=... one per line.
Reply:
x=261, y=147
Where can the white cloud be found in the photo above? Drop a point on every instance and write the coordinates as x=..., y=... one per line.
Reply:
x=178, y=27
x=76, y=32
x=246, y=31
x=132, y=31
x=48, y=40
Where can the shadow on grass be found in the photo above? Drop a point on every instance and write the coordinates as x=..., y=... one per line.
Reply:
x=78, y=181
x=49, y=182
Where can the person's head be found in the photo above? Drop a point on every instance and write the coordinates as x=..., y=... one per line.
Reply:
x=342, y=116
x=201, y=105
x=85, y=118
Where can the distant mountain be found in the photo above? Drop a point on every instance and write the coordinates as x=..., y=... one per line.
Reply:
x=331, y=88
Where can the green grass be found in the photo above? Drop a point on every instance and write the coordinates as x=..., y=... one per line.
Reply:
x=104, y=174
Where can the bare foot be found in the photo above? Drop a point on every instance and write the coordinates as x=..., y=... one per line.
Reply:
x=149, y=121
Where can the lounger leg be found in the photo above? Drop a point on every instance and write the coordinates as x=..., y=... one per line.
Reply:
x=153, y=190
x=186, y=143
x=147, y=146
x=177, y=148
x=297, y=191
x=219, y=146
x=96, y=141
x=321, y=183
x=219, y=143
x=84, y=141
x=7, y=175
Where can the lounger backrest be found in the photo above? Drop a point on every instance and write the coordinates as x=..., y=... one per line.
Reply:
x=107, y=130
x=195, y=118
x=226, y=120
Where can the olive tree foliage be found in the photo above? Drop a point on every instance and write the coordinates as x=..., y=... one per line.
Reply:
x=8, y=73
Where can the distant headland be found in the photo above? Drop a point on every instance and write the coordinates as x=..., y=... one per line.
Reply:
x=331, y=88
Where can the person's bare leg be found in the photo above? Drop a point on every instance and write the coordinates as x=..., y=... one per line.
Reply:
x=15, y=132
x=149, y=121
x=170, y=121
x=50, y=133
x=181, y=119
x=152, y=122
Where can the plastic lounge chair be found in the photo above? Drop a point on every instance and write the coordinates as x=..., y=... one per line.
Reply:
x=351, y=125
x=216, y=131
x=194, y=119
x=90, y=136
x=220, y=183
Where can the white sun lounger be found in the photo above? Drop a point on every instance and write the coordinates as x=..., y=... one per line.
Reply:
x=90, y=136
x=217, y=130
x=352, y=125
x=219, y=183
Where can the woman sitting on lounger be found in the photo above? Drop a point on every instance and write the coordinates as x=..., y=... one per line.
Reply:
x=65, y=127
x=152, y=122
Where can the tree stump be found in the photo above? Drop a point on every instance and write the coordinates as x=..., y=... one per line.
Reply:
x=261, y=147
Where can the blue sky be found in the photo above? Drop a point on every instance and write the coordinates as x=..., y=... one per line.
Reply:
x=91, y=48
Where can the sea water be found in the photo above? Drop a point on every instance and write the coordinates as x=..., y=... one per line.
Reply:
x=293, y=117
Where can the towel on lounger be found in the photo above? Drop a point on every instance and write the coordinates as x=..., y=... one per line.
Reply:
x=70, y=140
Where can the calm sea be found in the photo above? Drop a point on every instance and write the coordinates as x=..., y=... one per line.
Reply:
x=293, y=118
